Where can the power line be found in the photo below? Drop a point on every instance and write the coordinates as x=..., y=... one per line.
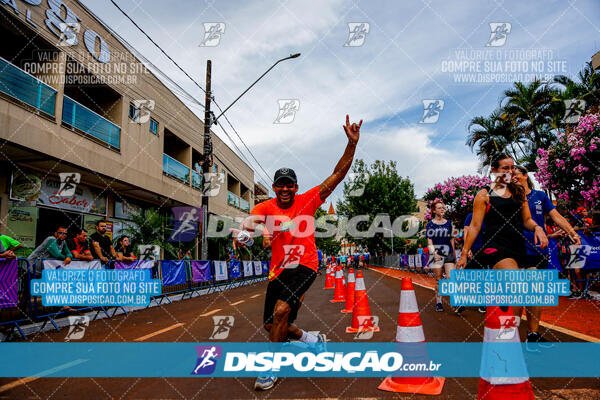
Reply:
x=192, y=79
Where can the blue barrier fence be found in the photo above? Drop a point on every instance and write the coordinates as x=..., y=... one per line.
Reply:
x=185, y=277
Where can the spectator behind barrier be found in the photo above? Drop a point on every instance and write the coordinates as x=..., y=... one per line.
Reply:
x=123, y=250
x=79, y=245
x=102, y=247
x=8, y=246
x=54, y=246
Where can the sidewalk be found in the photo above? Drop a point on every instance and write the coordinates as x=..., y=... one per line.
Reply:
x=579, y=316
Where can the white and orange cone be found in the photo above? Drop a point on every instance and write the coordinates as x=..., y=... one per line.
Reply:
x=350, y=292
x=410, y=330
x=501, y=326
x=362, y=320
x=329, y=279
x=339, y=294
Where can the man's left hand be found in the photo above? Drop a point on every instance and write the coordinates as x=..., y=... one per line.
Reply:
x=352, y=130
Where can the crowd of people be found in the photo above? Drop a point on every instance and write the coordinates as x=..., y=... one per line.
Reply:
x=75, y=245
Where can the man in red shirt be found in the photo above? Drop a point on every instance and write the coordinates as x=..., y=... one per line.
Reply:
x=290, y=232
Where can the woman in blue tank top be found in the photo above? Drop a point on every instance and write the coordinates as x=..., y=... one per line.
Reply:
x=440, y=240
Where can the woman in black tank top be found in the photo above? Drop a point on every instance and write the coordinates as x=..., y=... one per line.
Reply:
x=504, y=207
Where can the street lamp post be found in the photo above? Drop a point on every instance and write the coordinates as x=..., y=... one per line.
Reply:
x=209, y=120
x=392, y=239
x=254, y=83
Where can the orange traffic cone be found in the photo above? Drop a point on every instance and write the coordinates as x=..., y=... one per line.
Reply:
x=501, y=326
x=410, y=330
x=350, y=292
x=339, y=294
x=329, y=278
x=362, y=320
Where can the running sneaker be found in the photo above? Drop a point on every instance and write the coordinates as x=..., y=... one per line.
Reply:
x=439, y=307
x=459, y=309
x=534, y=341
x=265, y=382
x=321, y=343
x=575, y=295
x=481, y=309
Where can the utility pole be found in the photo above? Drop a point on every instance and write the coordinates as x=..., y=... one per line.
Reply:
x=207, y=163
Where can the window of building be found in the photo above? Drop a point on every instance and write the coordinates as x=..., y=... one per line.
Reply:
x=134, y=113
x=153, y=126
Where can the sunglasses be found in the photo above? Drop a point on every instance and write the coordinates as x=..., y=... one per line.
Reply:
x=62, y=233
x=287, y=186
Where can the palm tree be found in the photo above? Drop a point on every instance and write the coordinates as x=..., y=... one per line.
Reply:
x=148, y=227
x=528, y=107
x=588, y=89
x=493, y=136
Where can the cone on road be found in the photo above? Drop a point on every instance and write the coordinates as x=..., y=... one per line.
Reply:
x=350, y=292
x=329, y=279
x=362, y=320
x=339, y=294
x=501, y=326
x=410, y=330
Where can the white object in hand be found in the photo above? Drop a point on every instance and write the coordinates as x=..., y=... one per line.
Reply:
x=245, y=238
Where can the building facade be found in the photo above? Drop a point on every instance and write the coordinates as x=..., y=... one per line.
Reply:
x=76, y=101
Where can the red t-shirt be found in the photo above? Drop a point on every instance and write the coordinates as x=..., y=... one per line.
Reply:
x=292, y=231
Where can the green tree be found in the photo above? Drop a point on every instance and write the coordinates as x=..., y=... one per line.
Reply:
x=377, y=190
x=493, y=136
x=328, y=245
x=148, y=227
x=529, y=109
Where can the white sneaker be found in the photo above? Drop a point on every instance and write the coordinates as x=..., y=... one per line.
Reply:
x=265, y=382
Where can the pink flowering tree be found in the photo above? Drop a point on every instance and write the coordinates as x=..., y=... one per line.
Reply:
x=570, y=168
x=457, y=194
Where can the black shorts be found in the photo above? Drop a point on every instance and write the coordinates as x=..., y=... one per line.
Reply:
x=446, y=254
x=289, y=286
x=490, y=256
x=537, y=261
x=475, y=261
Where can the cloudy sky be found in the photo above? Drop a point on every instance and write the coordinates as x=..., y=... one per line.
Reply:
x=409, y=53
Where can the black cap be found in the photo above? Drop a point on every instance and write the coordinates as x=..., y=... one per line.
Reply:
x=285, y=173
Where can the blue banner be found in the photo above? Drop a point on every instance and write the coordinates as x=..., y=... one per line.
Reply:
x=223, y=359
x=265, y=267
x=553, y=249
x=236, y=269
x=173, y=272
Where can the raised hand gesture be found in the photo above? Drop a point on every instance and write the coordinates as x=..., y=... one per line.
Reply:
x=352, y=130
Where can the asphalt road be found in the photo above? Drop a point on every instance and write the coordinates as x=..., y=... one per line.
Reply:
x=191, y=321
